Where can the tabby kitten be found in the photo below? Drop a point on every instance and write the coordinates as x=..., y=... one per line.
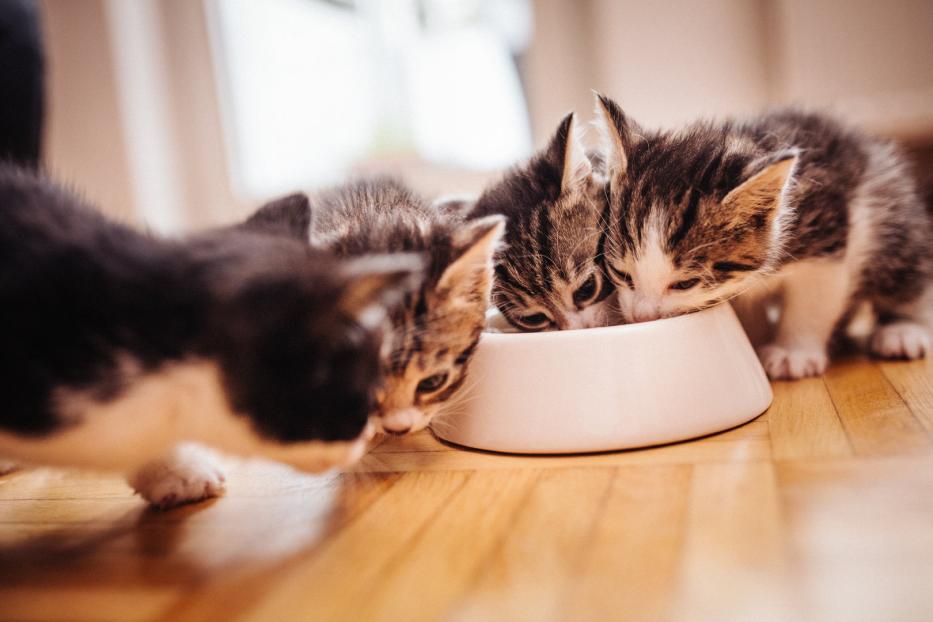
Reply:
x=436, y=329
x=789, y=204
x=548, y=274
x=118, y=346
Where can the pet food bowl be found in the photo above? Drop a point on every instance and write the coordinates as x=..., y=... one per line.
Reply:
x=602, y=389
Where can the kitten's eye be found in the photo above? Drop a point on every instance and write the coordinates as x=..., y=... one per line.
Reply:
x=432, y=383
x=625, y=277
x=684, y=285
x=535, y=320
x=585, y=292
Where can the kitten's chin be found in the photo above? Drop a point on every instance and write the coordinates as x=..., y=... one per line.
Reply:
x=403, y=421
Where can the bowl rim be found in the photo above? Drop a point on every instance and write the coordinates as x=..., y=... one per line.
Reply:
x=598, y=331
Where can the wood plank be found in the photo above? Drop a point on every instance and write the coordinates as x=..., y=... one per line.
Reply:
x=876, y=419
x=804, y=424
x=85, y=604
x=538, y=554
x=688, y=452
x=229, y=539
x=836, y=528
x=46, y=483
x=348, y=566
x=630, y=562
x=913, y=381
x=442, y=561
x=734, y=565
x=860, y=537
x=425, y=441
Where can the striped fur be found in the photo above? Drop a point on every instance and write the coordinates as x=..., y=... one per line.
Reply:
x=790, y=204
x=548, y=275
x=436, y=330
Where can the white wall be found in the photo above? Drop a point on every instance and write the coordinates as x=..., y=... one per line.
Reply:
x=669, y=61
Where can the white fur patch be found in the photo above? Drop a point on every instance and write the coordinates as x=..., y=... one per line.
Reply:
x=807, y=319
x=902, y=340
x=155, y=412
x=653, y=272
x=783, y=363
x=180, y=402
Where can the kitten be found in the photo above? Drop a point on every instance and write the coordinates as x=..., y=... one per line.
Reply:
x=789, y=204
x=548, y=275
x=118, y=346
x=435, y=330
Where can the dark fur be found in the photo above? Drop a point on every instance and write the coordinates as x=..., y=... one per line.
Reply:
x=77, y=290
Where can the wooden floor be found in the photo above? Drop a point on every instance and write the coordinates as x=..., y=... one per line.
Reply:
x=821, y=509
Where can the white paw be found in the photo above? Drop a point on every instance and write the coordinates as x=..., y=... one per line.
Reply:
x=791, y=363
x=901, y=340
x=188, y=474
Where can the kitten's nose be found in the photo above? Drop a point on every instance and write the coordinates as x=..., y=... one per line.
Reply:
x=399, y=421
x=646, y=316
x=644, y=311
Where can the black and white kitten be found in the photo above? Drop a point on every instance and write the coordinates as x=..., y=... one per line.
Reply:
x=788, y=205
x=118, y=347
x=548, y=274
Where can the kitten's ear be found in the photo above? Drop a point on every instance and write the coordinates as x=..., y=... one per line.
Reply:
x=619, y=134
x=763, y=192
x=455, y=207
x=565, y=150
x=289, y=216
x=474, y=246
x=377, y=282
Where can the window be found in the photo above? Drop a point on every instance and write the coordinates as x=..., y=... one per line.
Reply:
x=312, y=87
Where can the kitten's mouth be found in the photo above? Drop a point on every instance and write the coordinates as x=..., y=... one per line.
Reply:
x=400, y=422
x=396, y=432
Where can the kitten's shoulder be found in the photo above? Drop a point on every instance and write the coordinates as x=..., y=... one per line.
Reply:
x=32, y=194
x=808, y=130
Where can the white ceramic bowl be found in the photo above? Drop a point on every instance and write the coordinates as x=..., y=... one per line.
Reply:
x=602, y=389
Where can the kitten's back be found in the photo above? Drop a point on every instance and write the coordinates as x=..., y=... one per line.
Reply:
x=76, y=291
x=377, y=215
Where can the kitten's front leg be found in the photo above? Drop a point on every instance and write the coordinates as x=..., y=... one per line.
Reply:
x=815, y=297
x=752, y=309
x=188, y=473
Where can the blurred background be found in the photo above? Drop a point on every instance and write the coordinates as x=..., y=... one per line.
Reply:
x=180, y=114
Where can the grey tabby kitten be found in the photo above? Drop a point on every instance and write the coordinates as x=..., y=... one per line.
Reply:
x=434, y=332
x=788, y=205
x=548, y=274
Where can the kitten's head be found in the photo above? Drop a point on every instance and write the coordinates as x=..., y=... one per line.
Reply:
x=299, y=336
x=432, y=332
x=436, y=329
x=696, y=217
x=548, y=276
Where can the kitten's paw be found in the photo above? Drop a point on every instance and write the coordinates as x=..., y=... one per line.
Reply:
x=791, y=363
x=184, y=477
x=901, y=340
